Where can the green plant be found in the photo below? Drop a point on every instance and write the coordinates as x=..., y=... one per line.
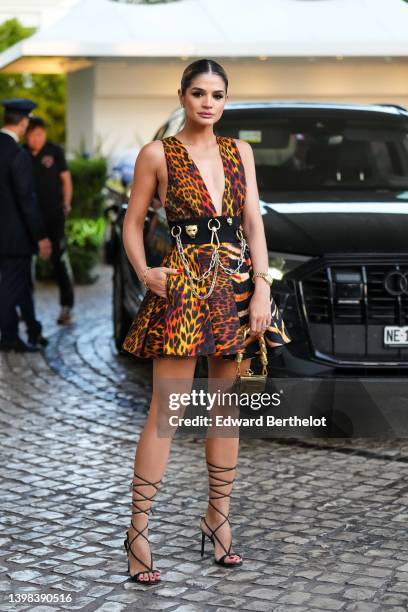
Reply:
x=85, y=233
x=84, y=238
x=89, y=177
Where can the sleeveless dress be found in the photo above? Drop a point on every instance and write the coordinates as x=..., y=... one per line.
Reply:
x=183, y=324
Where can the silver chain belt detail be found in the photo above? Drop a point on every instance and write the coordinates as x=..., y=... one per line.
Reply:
x=215, y=261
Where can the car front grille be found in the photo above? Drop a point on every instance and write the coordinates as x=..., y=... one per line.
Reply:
x=346, y=307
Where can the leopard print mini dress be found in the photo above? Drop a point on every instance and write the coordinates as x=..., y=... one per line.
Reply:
x=183, y=324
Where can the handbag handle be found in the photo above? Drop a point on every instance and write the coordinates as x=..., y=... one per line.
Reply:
x=262, y=346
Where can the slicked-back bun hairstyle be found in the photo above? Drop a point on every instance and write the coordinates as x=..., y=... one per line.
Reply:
x=202, y=66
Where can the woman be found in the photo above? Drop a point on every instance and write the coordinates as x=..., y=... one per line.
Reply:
x=197, y=303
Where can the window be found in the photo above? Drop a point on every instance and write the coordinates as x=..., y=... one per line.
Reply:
x=301, y=153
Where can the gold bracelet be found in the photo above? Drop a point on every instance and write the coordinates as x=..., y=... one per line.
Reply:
x=265, y=275
x=144, y=276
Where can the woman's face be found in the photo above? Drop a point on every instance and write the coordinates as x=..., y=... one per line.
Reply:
x=204, y=99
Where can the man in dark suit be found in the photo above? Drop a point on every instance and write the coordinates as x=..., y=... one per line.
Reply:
x=22, y=232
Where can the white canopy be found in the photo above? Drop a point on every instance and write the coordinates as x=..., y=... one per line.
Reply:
x=217, y=28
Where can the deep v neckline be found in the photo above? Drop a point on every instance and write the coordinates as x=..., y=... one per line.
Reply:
x=192, y=162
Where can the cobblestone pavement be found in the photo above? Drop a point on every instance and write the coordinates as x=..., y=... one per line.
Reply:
x=322, y=524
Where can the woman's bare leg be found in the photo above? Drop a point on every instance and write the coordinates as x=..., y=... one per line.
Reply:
x=151, y=457
x=221, y=451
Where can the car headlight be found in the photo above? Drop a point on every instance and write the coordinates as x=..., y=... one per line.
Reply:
x=282, y=263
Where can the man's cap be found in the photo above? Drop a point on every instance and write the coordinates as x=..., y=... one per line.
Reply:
x=22, y=106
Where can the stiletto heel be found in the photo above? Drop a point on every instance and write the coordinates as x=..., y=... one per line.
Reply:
x=128, y=543
x=202, y=542
x=213, y=536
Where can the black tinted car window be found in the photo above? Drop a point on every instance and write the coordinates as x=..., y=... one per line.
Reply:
x=330, y=153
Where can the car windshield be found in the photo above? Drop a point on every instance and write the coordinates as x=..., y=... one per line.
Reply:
x=301, y=153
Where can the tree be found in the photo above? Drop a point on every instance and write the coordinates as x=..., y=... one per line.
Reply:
x=48, y=91
x=11, y=32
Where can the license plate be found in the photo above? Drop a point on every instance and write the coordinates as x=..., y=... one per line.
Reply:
x=395, y=335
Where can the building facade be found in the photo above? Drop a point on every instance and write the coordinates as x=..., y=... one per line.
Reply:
x=124, y=61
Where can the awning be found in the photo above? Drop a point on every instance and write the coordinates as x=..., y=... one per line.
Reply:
x=187, y=29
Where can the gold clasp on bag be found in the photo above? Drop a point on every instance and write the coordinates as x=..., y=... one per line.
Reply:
x=250, y=382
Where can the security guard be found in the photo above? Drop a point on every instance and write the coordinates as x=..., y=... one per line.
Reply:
x=53, y=185
x=22, y=232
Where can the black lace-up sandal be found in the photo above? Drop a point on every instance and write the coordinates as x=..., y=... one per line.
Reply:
x=142, y=576
x=213, y=471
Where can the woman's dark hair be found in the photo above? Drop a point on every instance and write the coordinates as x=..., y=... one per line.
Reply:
x=202, y=66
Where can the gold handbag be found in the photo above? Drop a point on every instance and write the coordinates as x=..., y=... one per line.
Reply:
x=249, y=382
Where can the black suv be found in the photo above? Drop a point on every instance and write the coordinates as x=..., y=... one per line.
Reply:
x=333, y=185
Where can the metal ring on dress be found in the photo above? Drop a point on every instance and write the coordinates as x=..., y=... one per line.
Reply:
x=239, y=233
x=214, y=229
x=175, y=235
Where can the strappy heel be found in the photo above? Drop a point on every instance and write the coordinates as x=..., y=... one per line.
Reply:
x=128, y=543
x=213, y=471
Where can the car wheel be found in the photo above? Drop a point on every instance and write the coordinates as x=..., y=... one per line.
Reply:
x=121, y=318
